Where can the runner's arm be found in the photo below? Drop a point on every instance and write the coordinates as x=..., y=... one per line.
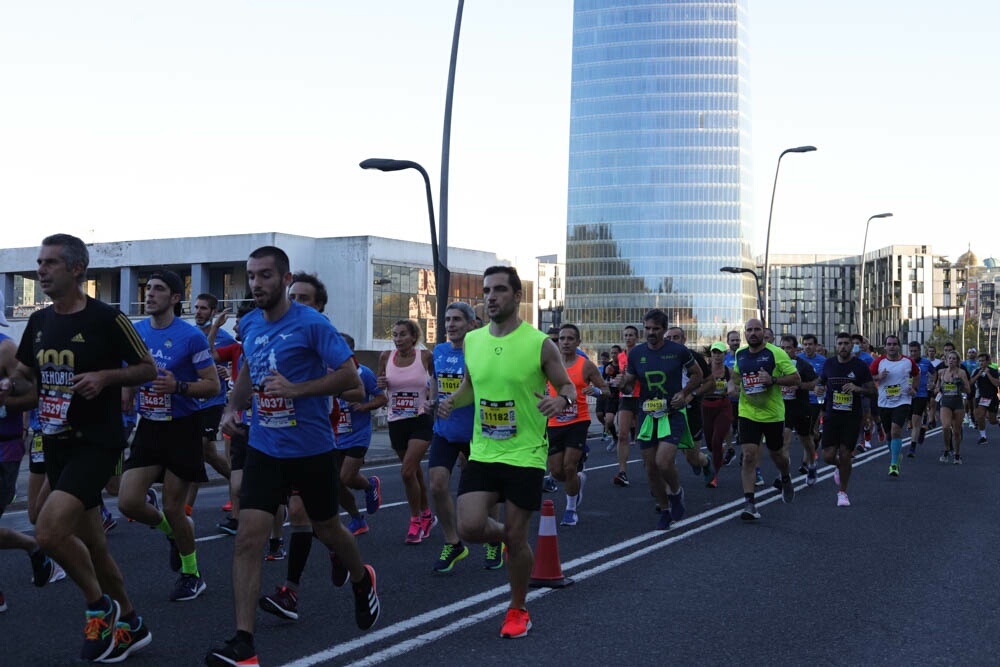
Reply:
x=20, y=394
x=206, y=386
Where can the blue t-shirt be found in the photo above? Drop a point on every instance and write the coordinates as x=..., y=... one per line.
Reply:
x=222, y=339
x=354, y=429
x=817, y=364
x=449, y=371
x=834, y=376
x=926, y=368
x=181, y=349
x=301, y=346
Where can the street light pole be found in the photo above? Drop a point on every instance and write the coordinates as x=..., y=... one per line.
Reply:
x=767, y=243
x=443, y=276
x=383, y=164
x=861, y=294
x=756, y=279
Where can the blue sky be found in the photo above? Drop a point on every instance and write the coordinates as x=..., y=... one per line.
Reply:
x=142, y=120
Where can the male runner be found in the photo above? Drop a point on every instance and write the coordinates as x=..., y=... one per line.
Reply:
x=920, y=399
x=872, y=423
x=75, y=356
x=937, y=364
x=167, y=441
x=761, y=369
x=506, y=367
x=897, y=378
x=733, y=341
x=658, y=365
x=628, y=407
x=287, y=351
x=810, y=354
x=970, y=364
x=846, y=379
x=567, y=430
x=986, y=380
x=693, y=408
x=797, y=414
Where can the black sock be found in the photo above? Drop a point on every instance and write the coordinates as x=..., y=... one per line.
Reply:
x=749, y=497
x=245, y=637
x=298, y=553
x=101, y=604
x=132, y=619
x=786, y=478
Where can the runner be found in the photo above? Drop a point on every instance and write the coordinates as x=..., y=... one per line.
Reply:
x=693, y=411
x=810, y=354
x=733, y=341
x=919, y=402
x=74, y=356
x=859, y=348
x=404, y=373
x=845, y=379
x=451, y=438
x=897, y=378
x=657, y=364
x=567, y=431
x=932, y=403
x=611, y=398
x=507, y=365
x=986, y=380
x=797, y=414
x=628, y=408
x=952, y=382
x=38, y=482
x=970, y=365
x=288, y=350
x=716, y=408
x=762, y=369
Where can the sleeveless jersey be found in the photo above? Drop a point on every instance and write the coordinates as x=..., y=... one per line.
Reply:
x=579, y=411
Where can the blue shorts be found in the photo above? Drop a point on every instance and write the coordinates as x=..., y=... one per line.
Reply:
x=444, y=453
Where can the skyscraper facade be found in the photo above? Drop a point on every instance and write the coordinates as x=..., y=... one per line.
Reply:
x=659, y=167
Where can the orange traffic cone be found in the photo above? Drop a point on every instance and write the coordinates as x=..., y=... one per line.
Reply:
x=547, y=572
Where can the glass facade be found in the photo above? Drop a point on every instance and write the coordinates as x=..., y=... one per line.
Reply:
x=659, y=167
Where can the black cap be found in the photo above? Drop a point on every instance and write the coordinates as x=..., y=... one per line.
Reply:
x=171, y=280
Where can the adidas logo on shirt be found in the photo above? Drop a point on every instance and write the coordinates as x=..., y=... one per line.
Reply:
x=77, y=339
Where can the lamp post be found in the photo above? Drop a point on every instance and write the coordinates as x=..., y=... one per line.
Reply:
x=767, y=243
x=756, y=279
x=861, y=294
x=383, y=164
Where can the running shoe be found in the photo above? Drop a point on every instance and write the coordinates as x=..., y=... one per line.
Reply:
x=958, y=460
x=235, y=653
x=357, y=525
x=859, y=449
x=373, y=496
x=275, y=550
x=58, y=574
x=228, y=507
x=728, y=457
x=810, y=475
x=450, y=554
x=42, y=567
x=982, y=440
x=663, y=523
x=749, y=512
x=583, y=457
x=569, y=518
x=893, y=470
x=677, y=508
x=881, y=433
x=516, y=624
x=109, y=521
x=187, y=587
x=708, y=470
x=230, y=526
x=803, y=469
x=760, y=479
x=175, y=556
x=99, y=631
x=366, y=606
x=128, y=640
x=283, y=603
x=338, y=572
x=836, y=477
x=621, y=479
x=842, y=500
x=494, y=556
x=787, y=491
x=579, y=493
x=153, y=498
x=611, y=447
x=427, y=522
x=713, y=483
x=868, y=445
x=913, y=451
x=549, y=485
x=413, y=534
x=945, y=456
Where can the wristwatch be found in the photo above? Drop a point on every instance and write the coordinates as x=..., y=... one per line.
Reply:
x=569, y=401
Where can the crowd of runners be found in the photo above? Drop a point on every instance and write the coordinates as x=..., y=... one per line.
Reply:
x=507, y=405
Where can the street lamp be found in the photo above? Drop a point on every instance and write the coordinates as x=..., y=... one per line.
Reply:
x=756, y=279
x=441, y=274
x=861, y=295
x=767, y=244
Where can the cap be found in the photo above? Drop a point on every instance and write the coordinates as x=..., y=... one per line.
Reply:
x=718, y=345
x=973, y=350
x=170, y=279
x=3, y=311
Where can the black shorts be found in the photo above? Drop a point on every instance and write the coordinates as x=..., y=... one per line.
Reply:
x=752, y=433
x=797, y=418
x=952, y=403
x=897, y=415
x=521, y=486
x=268, y=481
x=629, y=404
x=694, y=420
x=991, y=408
x=8, y=482
x=841, y=430
x=402, y=431
x=79, y=467
x=350, y=453
x=174, y=445
x=918, y=405
x=36, y=455
x=209, y=418
x=444, y=453
x=237, y=451
x=570, y=436
x=814, y=412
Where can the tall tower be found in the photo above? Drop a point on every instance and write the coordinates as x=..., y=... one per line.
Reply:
x=659, y=167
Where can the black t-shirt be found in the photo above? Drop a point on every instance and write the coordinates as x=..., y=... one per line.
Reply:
x=984, y=388
x=834, y=376
x=807, y=374
x=57, y=347
x=659, y=373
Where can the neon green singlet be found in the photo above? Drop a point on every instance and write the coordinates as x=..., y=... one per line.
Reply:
x=505, y=373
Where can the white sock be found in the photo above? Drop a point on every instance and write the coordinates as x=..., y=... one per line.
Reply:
x=982, y=433
x=571, y=502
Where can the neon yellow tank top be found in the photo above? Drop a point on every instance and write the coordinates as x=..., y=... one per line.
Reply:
x=505, y=373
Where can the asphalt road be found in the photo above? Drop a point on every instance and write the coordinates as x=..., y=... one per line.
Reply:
x=907, y=575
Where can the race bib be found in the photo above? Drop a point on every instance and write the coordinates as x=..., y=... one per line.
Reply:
x=498, y=419
x=448, y=384
x=37, y=450
x=893, y=390
x=403, y=404
x=843, y=401
x=949, y=388
x=154, y=405
x=568, y=415
x=788, y=393
x=985, y=402
x=274, y=411
x=53, y=410
x=752, y=384
x=654, y=405
x=720, y=386
x=344, y=425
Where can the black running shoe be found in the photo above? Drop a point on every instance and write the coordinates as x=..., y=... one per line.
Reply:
x=99, y=632
x=366, y=606
x=41, y=567
x=235, y=652
x=128, y=640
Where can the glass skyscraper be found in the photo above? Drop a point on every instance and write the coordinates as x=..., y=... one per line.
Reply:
x=659, y=167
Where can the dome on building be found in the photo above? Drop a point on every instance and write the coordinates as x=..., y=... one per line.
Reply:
x=991, y=262
x=968, y=258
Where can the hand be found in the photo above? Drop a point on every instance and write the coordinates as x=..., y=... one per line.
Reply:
x=223, y=372
x=231, y=425
x=850, y=386
x=357, y=407
x=589, y=391
x=550, y=406
x=5, y=387
x=679, y=400
x=765, y=378
x=382, y=382
x=276, y=384
x=882, y=375
x=820, y=390
x=89, y=385
x=221, y=319
x=429, y=407
x=165, y=382
x=444, y=408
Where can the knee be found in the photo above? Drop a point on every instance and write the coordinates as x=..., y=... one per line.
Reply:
x=440, y=484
